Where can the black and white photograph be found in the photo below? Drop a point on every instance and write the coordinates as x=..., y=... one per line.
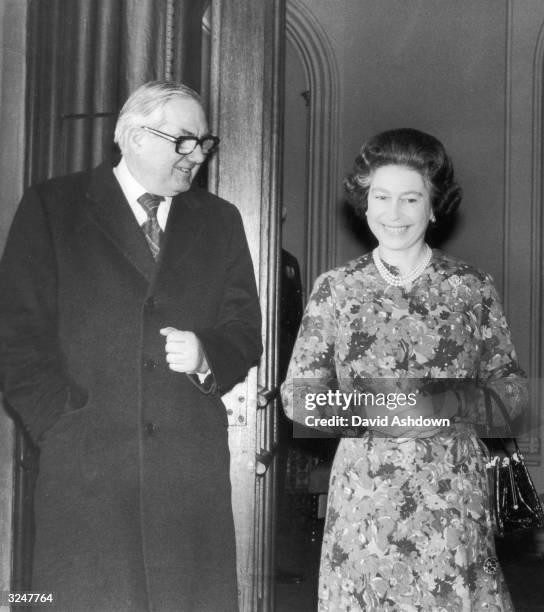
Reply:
x=271, y=305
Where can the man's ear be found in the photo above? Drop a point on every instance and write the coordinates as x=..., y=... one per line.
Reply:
x=134, y=139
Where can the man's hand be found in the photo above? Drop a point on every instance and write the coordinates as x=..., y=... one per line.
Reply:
x=184, y=352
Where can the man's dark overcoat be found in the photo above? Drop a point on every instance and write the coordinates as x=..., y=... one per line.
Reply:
x=133, y=499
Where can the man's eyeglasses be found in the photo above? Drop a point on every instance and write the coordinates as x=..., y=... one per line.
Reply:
x=185, y=145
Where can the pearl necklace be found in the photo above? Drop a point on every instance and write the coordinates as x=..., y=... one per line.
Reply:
x=400, y=281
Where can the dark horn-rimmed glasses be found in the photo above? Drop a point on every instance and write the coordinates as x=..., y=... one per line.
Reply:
x=185, y=145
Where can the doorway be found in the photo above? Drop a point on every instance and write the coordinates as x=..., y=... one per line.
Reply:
x=308, y=204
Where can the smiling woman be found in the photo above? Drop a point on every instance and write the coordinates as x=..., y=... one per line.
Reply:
x=399, y=210
x=408, y=524
x=403, y=180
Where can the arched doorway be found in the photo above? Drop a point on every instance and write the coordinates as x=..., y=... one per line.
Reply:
x=316, y=56
x=309, y=197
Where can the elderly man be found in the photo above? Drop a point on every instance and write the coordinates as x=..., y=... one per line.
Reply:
x=127, y=307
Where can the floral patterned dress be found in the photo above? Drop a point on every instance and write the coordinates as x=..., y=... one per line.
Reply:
x=408, y=526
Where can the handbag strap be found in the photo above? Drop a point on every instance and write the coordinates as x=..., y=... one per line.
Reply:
x=490, y=396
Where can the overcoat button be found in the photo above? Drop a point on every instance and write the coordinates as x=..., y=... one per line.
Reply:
x=150, y=364
x=150, y=428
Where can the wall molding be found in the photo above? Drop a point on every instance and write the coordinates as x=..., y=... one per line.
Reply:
x=507, y=153
x=536, y=373
x=523, y=290
x=318, y=59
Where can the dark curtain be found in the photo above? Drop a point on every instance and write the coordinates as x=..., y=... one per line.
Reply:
x=84, y=58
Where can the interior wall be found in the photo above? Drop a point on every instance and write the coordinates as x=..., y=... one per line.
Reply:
x=434, y=66
x=524, y=192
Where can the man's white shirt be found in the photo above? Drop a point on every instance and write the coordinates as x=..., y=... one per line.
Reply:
x=133, y=190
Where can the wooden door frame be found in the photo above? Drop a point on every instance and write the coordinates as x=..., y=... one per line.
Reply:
x=12, y=124
x=246, y=110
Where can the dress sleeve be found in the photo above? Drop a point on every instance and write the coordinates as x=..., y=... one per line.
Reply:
x=312, y=368
x=499, y=369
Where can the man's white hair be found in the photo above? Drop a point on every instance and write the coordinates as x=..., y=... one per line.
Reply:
x=146, y=103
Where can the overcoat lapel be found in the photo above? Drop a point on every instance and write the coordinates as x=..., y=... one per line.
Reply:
x=110, y=211
x=183, y=231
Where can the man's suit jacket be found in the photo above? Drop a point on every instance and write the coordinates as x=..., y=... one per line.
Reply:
x=291, y=308
x=133, y=500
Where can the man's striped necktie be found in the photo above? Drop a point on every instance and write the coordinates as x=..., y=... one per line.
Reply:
x=153, y=233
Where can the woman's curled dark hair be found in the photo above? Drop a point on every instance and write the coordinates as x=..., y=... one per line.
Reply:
x=412, y=149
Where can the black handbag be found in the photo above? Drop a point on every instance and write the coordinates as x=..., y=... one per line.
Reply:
x=515, y=505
